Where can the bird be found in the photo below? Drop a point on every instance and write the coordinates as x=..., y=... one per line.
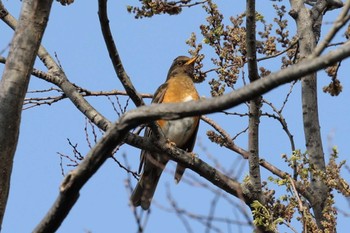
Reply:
x=178, y=87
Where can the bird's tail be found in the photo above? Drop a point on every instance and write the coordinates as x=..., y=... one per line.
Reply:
x=145, y=188
x=179, y=172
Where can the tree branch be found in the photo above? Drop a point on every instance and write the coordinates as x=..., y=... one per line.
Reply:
x=228, y=141
x=56, y=76
x=114, y=55
x=268, y=166
x=253, y=187
x=53, y=99
x=282, y=121
x=114, y=136
x=102, y=150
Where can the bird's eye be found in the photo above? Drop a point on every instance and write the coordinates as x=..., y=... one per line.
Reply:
x=180, y=63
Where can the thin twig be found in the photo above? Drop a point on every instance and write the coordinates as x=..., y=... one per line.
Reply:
x=282, y=121
x=211, y=213
x=341, y=20
x=138, y=215
x=287, y=96
x=179, y=213
x=279, y=53
x=301, y=207
x=228, y=141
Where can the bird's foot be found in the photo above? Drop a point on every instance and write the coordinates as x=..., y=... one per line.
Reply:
x=171, y=144
x=193, y=156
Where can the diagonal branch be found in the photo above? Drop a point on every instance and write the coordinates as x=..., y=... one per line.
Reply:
x=341, y=20
x=114, y=136
x=74, y=181
x=228, y=141
x=114, y=55
x=58, y=77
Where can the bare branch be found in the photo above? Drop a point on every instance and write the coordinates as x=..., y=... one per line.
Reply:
x=102, y=150
x=182, y=213
x=141, y=217
x=58, y=77
x=301, y=207
x=282, y=121
x=179, y=212
x=245, y=154
x=114, y=55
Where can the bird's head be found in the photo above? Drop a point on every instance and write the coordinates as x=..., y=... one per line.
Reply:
x=182, y=65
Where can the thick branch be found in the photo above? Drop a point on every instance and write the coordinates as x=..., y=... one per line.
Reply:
x=14, y=84
x=114, y=136
x=74, y=181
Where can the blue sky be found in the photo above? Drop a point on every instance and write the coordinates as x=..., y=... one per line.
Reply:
x=147, y=48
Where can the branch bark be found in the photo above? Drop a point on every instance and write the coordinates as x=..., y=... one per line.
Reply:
x=14, y=84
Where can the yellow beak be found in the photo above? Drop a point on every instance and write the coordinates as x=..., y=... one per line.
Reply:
x=191, y=61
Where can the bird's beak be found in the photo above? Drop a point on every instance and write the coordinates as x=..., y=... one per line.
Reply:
x=191, y=61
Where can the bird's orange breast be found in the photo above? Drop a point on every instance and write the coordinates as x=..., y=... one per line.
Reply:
x=179, y=89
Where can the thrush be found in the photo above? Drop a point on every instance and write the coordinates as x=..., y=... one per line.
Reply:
x=179, y=87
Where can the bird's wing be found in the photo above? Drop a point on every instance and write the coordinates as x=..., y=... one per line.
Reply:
x=148, y=133
x=157, y=98
x=159, y=94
